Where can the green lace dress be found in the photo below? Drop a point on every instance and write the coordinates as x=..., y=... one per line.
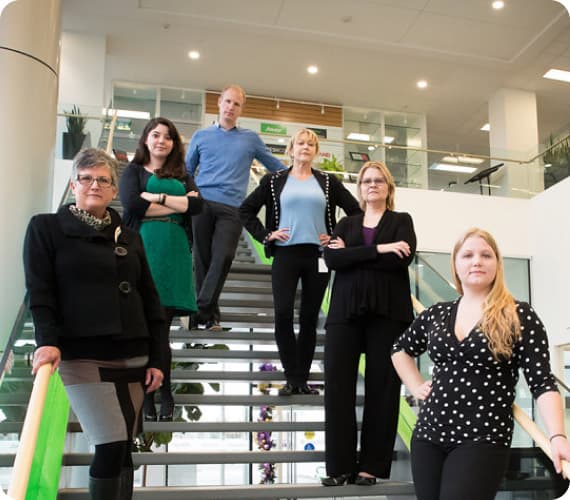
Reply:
x=168, y=251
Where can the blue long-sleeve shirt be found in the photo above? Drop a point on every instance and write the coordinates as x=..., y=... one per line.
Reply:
x=224, y=158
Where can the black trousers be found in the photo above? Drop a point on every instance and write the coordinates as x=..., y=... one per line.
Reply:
x=216, y=231
x=344, y=342
x=291, y=264
x=470, y=471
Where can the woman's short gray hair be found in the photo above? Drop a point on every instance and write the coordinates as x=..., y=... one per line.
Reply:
x=91, y=158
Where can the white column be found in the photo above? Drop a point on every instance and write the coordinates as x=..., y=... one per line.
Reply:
x=29, y=59
x=514, y=135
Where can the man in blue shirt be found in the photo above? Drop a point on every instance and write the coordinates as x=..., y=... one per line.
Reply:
x=219, y=158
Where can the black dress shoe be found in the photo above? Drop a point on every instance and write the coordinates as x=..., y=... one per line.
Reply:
x=365, y=481
x=337, y=480
x=286, y=390
x=305, y=389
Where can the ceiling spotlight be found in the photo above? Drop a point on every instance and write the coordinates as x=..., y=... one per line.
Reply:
x=312, y=70
x=498, y=4
x=194, y=54
x=486, y=127
x=422, y=84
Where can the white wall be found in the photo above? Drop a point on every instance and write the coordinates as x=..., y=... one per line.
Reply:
x=441, y=217
x=82, y=80
x=549, y=226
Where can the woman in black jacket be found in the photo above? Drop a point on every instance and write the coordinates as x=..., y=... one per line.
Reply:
x=300, y=205
x=370, y=307
x=97, y=317
x=159, y=197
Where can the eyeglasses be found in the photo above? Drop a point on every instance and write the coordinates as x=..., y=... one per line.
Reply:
x=376, y=180
x=88, y=180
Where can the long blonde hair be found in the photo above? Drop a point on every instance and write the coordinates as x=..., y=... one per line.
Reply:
x=500, y=323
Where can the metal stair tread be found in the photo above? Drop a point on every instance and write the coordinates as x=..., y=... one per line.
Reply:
x=215, y=355
x=206, y=336
x=238, y=376
x=270, y=491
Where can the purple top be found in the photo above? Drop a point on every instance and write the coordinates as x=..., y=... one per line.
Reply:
x=368, y=235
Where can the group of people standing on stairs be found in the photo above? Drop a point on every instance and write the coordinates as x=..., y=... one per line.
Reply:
x=103, y=294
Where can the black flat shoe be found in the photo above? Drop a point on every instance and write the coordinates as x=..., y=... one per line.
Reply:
x=337, y=480
x=286, y=390
x=365, y=481
x=305, y=389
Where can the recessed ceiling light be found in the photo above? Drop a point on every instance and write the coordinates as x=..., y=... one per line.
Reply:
x=557, y=74
x=486, y=127
x=547, y=165
x=281, y=140
x=498, y=4
x=371, y=148
x=194, y=54
x=422, y=84
x=355, y=136
x=388, y=139
x=444, y=167
x=312, y=70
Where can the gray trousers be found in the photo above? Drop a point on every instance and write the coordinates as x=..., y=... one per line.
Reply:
x=216, y=232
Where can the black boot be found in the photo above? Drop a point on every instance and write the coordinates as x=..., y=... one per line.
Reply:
x=126, y=488
x=104, y=488
x=166, y=400
x=149, y=410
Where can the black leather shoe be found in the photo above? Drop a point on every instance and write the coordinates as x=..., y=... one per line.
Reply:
x=286, y=390
x=305, y=389
x=365, y=481
x=337, y=480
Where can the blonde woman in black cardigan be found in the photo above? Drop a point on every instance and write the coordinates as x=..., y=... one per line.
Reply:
x=370, y=307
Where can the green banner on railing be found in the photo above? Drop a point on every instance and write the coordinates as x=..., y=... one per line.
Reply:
x=46, y=465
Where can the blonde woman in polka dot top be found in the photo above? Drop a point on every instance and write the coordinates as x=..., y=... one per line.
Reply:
x=477, y=343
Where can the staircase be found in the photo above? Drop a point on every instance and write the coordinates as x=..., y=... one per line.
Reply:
x=247, y=308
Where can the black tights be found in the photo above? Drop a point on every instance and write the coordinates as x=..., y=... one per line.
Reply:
x=110, y=459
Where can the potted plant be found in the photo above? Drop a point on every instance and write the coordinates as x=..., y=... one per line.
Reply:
x=75, y=135
x=332, y=165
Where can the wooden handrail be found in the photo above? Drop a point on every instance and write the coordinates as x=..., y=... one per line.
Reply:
x=537, y=435
x=29, y=435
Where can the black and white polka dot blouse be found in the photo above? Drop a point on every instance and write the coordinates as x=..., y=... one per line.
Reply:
x=472, y=393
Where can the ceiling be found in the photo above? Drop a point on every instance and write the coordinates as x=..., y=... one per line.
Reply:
x=370, y=53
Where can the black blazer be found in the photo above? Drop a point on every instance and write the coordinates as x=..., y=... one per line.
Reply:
x=80, y=286
x=268, y=194
x=367, y=282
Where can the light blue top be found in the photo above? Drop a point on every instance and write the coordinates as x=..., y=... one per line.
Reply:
x=223, y=158
x=303, y=207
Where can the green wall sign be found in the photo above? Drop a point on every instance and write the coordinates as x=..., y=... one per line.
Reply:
x=273, y=128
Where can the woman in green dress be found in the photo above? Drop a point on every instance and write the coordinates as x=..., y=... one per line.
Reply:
x=158, y=198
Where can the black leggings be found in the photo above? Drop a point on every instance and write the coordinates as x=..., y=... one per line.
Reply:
x=291, y=264
x=110, y=459
x=470, y=471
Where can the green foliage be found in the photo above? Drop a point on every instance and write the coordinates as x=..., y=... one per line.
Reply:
x=76, y=122
x=332, y=165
